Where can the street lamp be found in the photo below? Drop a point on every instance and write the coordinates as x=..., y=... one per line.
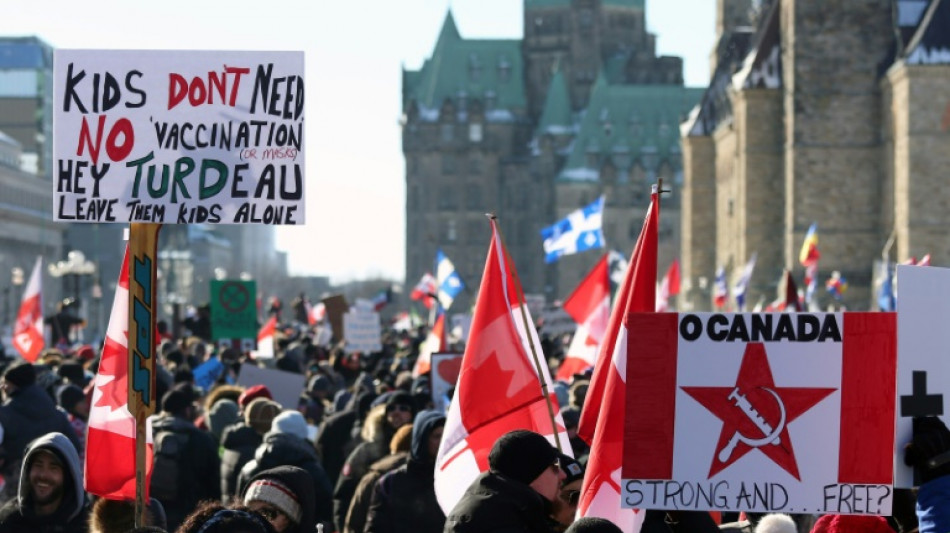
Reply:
x=75, y=265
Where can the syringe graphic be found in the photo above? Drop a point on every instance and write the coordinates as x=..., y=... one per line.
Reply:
x=771, y=436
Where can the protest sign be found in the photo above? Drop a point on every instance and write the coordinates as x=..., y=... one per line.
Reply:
x=234, y=310
x=285, y=387
x=923, y=369
x=788, y=413
x=362, y=331
x=444, y=376
x=178, y=137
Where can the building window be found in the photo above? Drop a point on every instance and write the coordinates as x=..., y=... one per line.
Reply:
x=447, y=197
x=473, y=196
x=447, y=132
x=450, y=232
x=504, y=69
x=448, y=164
x=475, y=132
x=474, y=68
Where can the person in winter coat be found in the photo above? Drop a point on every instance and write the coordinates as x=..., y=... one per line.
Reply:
x=50, y=497
x=359, y=506
x=284, y=495
x=286, y=444
x=27, y=413
x=404, y=499
x=335, y=433
x=516, y=492
x=380, y=426
x=240, y=440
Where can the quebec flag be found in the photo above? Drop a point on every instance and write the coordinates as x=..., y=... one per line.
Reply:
x=448, y=282
x=579, y=231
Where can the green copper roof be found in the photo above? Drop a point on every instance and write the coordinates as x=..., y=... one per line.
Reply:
x=529, y=4
x=489, y=69
x=556, y=116
x=629, y=125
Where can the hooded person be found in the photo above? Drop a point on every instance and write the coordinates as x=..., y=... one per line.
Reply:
x=284, y=495
x=517, y=491
x=50, y=497
x=286, y=444
x=333, y=438
x=404, y=499
x=28, y=413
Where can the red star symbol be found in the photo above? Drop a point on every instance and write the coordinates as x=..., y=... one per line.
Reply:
x=756, y=396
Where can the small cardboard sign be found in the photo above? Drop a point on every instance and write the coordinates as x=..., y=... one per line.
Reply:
x=285, y=387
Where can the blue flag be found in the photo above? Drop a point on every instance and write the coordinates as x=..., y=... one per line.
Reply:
x=579, y=231
x=448, y=282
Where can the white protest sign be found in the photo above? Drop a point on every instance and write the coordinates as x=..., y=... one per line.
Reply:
x=923, y=368
x=789, y=413
x=178, y=137
x=362, y=331
x=284, y=387
x=444, y=376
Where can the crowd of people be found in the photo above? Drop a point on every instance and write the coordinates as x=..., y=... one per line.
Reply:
x=355, y=454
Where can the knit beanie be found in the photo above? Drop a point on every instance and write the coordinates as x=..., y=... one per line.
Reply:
x=593, y=524
x=277, y=494
x=20, y=374
x=178, y=398
x=290, y=422
x=398, y=398
x=831, y=523
x=521, y=455
x=73, y=372
x=252, y=393
x=223, y=413
x=68, y=396
x=571, y=468
x=260, y=413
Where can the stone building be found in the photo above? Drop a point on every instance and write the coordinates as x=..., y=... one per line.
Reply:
x=535, y=128
x=831, y=113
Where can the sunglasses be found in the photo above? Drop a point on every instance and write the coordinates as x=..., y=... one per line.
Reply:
x=571, y=496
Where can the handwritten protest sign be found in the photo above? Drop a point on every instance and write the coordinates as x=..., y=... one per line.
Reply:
x=923, y=369
x=760, y=412
x=362, y=331
x=178, y=137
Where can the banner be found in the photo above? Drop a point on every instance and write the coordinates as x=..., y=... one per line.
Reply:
x=923, y=370
x=789, y=413
x=233, y=310
x=178, y=137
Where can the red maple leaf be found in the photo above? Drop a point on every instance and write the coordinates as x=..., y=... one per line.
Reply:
x=114, y=363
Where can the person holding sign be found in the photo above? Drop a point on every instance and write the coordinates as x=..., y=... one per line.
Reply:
x=929, y=454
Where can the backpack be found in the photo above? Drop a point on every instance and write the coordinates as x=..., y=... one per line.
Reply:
x=167, y=464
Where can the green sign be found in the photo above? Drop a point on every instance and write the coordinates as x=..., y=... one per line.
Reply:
x=233, y=309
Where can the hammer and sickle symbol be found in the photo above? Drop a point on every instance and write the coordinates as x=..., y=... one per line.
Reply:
x=771, y=435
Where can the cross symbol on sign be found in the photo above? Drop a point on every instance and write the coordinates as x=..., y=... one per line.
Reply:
x=919, y=403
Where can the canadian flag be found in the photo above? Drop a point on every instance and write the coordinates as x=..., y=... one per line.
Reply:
x=110, y=438
x=669, y=287
x=316, y=313
x=498, y=365
x=601, y=423
x=434, y=343
x=589, y=306
x=28, y=331
x=425, y=290
x=265, y=339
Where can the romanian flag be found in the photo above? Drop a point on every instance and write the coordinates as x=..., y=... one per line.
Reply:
x=809, y=254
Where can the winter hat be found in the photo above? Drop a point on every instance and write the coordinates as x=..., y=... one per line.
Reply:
x=73, y=372
x=399, y=398
x=832, y=523
x=593, y=524
x=69, y=395
x=252, y=393
x=776, y=523
x=260, y=413
x=178, y=398
x=319, y=383
x=20, y=374
x=277, y=494
x=223, y=413
x=571, y=468
x=521, y=455
x=290, y=422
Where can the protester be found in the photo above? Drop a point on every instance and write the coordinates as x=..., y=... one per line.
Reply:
x=286, y=444
x=186, y=468
x=50, y=496
x=929, y=454
x=593, y=524
x=27, y=413
x=118, y=516
x=517, y=491
x=334, y=435
x=380, y=426
x=239, y=440
x=212, y=517
x=359, y=505
x=284, y=495
x=75, y=404
x=565, y=505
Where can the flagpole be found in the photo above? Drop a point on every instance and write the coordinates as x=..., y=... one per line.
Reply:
x=143, y=264
x=527, y=327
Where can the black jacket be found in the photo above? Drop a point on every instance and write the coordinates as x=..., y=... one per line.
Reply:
x=300, y=484
x=238, y=442
x=28, y=414
x=282, y=449
x=494, y=503
x=17, y=515
x=199, y=473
